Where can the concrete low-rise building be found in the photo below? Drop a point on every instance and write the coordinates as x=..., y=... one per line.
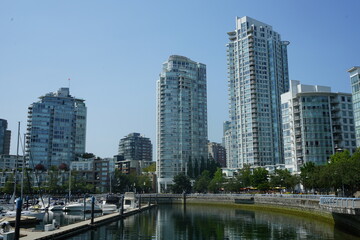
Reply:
x=9, y=162
x=316, y=123
x=94, y=171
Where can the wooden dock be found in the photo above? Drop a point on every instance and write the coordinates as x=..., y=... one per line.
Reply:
x=79, y=227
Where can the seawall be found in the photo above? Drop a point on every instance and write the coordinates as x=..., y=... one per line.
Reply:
x=300, y=205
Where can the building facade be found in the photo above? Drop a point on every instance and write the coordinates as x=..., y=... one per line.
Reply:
x=257, y=76
x=5, y=136
x=93, y=171
x=135, y=153
x=11, y=162
x=316, y=124
x=217, y=152
x=136, y=147
x=56, y=129
x=181, y=118
x=355, y=89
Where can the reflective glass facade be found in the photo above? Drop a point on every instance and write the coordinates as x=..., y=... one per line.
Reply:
x=316, y=124
x=257, y=76
x=135, y=147
x=355, y=88
x=181, y=117
x=56, y=129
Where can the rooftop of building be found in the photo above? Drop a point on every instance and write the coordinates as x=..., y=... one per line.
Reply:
x=354, y=69
x=61, y=93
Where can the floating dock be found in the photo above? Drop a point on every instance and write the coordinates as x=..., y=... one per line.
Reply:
x=79, y=227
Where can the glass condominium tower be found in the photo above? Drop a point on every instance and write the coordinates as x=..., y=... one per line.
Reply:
x=181, y=118
x=56, y=129
x=257, y=76
x=355, y=89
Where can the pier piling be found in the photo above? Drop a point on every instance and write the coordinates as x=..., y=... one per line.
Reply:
x=17, y=219
x=122, y=205
x=92, y=209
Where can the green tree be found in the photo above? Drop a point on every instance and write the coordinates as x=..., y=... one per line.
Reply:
x=9, y=185
x=309, y=176
x=202, y=182
x=150, y=169
x=202, y=165
x=259, y=179
x=244, y=176
x=53, y=180
x=190, y=168
x=344, y=172
x=355, y=163
x=216, y=184
x=181, y=184
x=196, y=168
x=212, y=167
x=121, y=182
x=232, y=185
x=283, y=178
x=143, y=184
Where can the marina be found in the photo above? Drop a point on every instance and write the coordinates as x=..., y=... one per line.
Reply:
x=79, y=227
x=57, y=220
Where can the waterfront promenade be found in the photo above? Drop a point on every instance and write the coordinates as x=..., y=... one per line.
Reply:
x=342, y=211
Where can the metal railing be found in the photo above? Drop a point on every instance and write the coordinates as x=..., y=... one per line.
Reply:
x=210, y=195
x=340, y=202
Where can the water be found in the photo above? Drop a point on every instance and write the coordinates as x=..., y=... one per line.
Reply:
x=208, y=222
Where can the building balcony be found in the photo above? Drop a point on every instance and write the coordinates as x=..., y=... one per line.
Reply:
x=336, y=123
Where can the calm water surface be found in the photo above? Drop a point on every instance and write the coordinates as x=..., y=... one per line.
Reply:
x=208, y=222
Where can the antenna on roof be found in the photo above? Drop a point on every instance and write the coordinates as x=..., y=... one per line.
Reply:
x=69, y=82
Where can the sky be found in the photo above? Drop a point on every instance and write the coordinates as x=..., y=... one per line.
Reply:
x=112, y=51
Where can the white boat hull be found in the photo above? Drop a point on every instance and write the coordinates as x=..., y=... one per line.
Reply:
x=79, y=207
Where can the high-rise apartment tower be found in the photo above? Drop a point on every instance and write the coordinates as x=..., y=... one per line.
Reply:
x=181, y=118
x=5, y=136
x=56, y=129
x=355, y=89
x=257, y=76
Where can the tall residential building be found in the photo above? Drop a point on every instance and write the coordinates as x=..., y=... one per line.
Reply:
x=135, y=152
x=135, y=147
x=217, y=152
x=355, y=88
x=316, y=124
x=56, y=129
x=257, y=76
x=5, y=136
x=181, y=118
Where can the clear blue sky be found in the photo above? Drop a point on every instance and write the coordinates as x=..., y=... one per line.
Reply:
x=113, y=52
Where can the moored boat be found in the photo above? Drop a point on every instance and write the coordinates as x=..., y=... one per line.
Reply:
x=78, y=207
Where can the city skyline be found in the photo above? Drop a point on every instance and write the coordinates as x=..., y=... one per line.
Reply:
x=102, y=48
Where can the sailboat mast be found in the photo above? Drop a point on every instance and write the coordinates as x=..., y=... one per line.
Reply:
x=17, y=158
x=23, y=169
x=69, y=182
